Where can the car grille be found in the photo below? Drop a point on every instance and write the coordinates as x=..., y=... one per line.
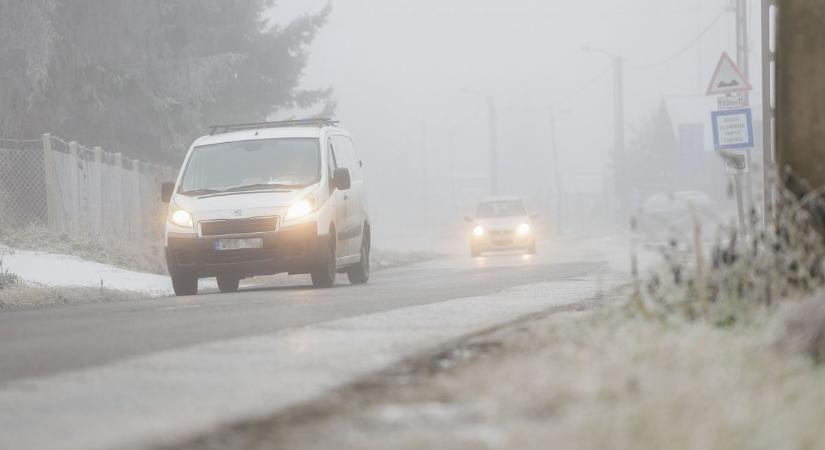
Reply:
x=502, y=233
x=239, y=226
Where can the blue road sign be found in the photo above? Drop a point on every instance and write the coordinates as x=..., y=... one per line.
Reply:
x=732, y=129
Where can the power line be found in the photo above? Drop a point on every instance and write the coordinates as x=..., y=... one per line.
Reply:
x=687, y=47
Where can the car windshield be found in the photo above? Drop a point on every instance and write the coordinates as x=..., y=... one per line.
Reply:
x=252, y=165
x=508, y=208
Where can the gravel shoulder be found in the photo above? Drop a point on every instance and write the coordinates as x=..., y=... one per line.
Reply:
x=581, y=377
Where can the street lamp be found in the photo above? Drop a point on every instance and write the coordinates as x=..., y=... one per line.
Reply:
x=556, y=169
x=491, y=104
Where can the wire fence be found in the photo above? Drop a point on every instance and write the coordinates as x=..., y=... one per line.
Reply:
x=68, y=187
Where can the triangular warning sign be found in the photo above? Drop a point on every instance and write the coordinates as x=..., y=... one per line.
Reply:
x=728, y=79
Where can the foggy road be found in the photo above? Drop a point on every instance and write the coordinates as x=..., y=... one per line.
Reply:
x=45, y=342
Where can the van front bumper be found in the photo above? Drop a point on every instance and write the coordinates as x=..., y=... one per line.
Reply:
x=294, y=250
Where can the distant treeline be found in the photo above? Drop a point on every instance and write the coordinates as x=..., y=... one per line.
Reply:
x=145, y=77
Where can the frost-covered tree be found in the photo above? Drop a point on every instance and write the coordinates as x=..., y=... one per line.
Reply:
x=146, y=76
x=651, y=159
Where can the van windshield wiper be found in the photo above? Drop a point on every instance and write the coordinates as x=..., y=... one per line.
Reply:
x=264, y=187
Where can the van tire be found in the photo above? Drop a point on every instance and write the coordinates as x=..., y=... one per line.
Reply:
x=360, y=273
x=228, y=284
x=323, y=276
x=185, y=285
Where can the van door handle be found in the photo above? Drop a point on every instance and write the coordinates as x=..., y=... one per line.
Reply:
x=346, y=197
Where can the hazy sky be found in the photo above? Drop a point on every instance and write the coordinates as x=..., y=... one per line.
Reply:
x=398, y=68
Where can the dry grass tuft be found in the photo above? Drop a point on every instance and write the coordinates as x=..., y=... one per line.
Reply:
x=8, y=279
x=804, y=329
x=18, y=297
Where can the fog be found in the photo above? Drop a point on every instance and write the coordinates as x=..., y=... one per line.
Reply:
x=410, y=80
x=427, y=88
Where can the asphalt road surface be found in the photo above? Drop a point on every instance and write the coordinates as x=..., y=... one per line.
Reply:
x=42, y=342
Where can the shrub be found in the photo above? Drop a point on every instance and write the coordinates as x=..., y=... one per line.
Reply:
x=743, y=273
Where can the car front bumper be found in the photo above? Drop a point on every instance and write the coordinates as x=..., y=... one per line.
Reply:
x=294, y=250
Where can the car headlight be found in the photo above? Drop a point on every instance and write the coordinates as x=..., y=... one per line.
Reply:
x=182, y=218
x=523, y=229
x=301, y=209
x=478, y=231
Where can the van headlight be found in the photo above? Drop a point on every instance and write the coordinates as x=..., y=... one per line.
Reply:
x=478, y=231
x=181, y=218
x=523, y=229
x=301, y=209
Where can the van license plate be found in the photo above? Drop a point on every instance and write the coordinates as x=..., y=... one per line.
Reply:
x=238, y=244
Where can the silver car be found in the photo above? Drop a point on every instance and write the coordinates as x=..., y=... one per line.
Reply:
x=502, y=224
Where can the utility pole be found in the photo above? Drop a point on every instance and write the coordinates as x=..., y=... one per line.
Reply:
x=491, y=101
x=768, y=110
x=556, y=171
x=618, y=127
x=619, y=136
x=743, y=61
x=618, y=106
x=491, y=104
x=451, y=162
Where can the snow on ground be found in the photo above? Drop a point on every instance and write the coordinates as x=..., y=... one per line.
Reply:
x=51, y=270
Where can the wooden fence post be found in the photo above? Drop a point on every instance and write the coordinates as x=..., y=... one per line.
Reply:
x=96, y=194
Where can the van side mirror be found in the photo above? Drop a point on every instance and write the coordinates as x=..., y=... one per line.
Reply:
x=341, y=179
x=468, y=219
x=166, y=190
x=534, y=215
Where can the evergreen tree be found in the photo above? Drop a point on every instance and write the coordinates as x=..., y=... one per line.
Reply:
x=648, y=166
x=145, y=77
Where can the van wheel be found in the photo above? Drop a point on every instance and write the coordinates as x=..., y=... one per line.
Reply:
x=185, y=285
x=360, y=273
x=228, y=284
x=324, y=274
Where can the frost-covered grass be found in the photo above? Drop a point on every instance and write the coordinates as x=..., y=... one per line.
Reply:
x=142, y=255
x=22, y=296
x=572, y=381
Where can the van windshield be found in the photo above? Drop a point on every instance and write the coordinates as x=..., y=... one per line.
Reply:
x=266, y=164
x=506, y=208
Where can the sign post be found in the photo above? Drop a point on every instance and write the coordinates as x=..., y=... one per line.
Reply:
x=732, y=124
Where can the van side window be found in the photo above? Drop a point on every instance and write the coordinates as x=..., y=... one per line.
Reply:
x=347, y=157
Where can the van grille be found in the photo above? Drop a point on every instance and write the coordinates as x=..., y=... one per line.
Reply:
x=239, y=226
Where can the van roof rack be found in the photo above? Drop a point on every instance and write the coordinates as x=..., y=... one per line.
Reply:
x=321, y=122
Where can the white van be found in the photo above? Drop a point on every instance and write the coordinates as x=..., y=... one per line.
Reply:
x=268, y=198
